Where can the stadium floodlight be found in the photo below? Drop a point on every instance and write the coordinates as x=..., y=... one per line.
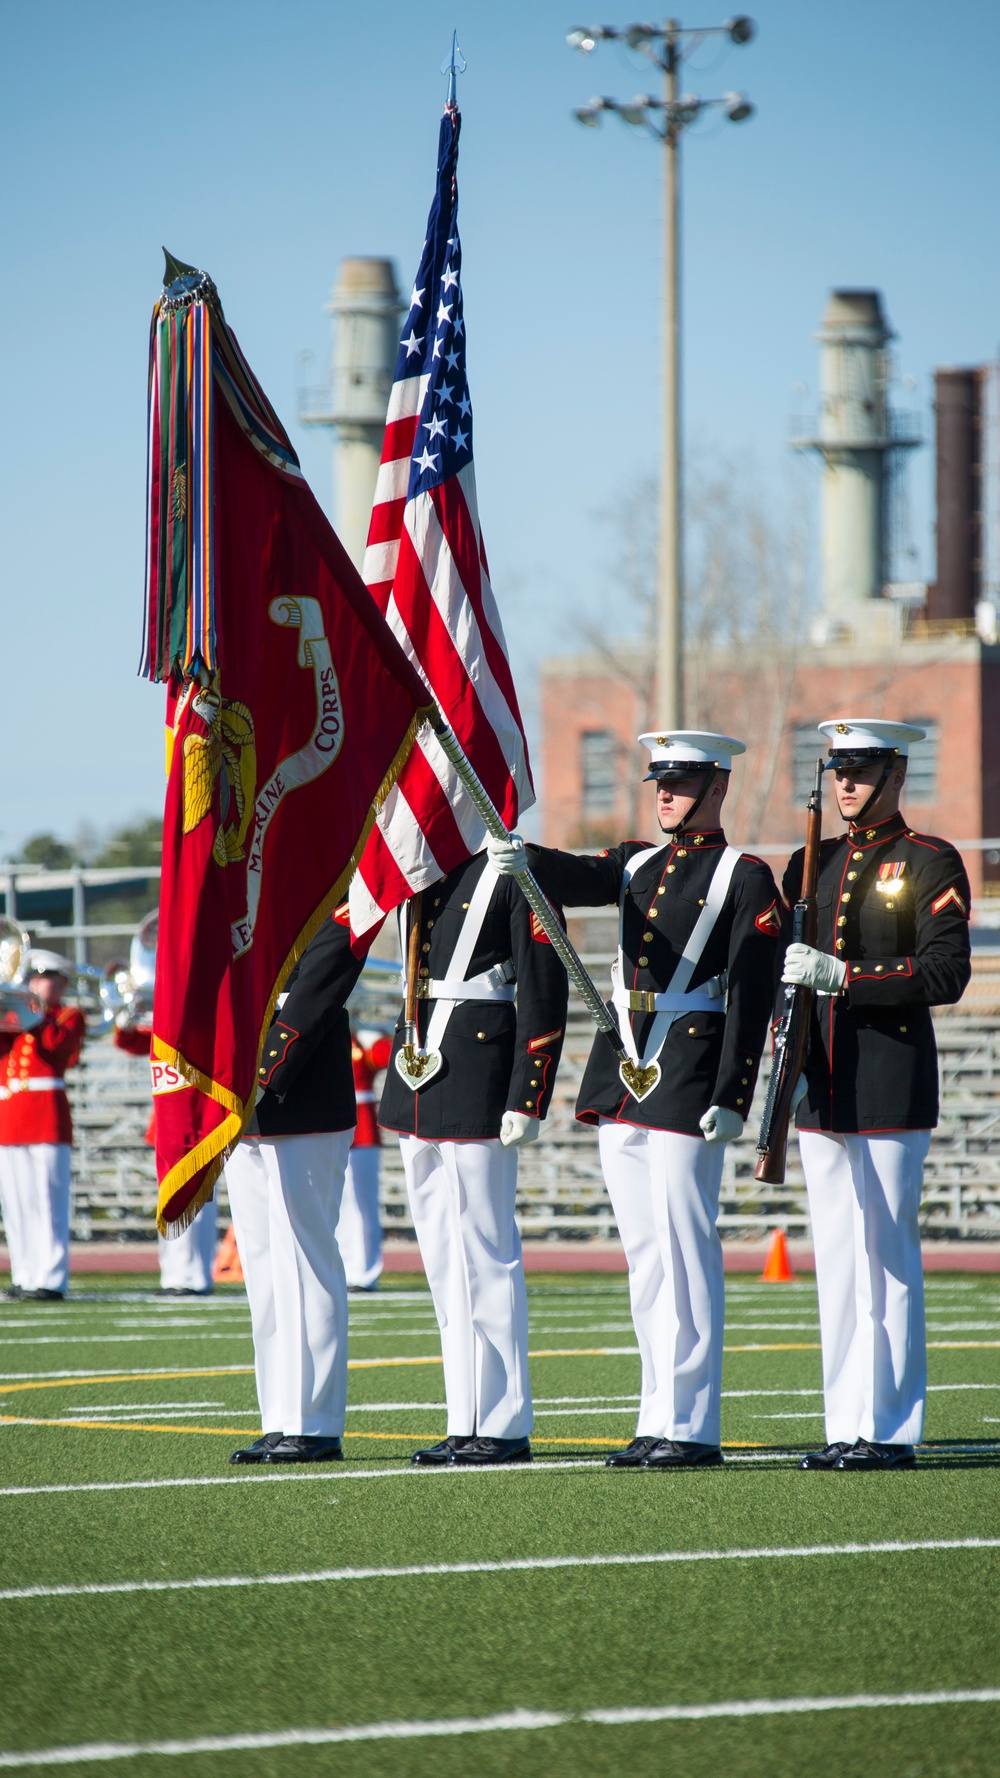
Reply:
x=637, y=36
x=638, y=109
x=738, y=107
x=587, y=37
x=668, y=46
x=685, y=109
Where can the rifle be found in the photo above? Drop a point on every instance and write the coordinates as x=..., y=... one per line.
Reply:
x=791, y=1040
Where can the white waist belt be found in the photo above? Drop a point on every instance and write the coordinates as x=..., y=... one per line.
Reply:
x=492, y=984
x=37, y=1085
x=707, y=998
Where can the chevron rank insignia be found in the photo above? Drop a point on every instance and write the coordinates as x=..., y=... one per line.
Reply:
x=950, y=898
x=770, y=922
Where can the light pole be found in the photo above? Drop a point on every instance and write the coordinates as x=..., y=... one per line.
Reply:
x=666, y=47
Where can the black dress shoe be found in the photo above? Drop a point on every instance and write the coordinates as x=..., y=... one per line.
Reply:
x=827, y=1457
x=43, y=1296
x=182, y=1290
x=433, y=1456
x=674, y=1453
x=13, y=1293
x=300, y=1448
x=632, y=1455
x=481, y=1451
x=256, y=1452
x=865, y=1455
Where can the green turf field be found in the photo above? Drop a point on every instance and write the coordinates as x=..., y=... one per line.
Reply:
x=366, y=1618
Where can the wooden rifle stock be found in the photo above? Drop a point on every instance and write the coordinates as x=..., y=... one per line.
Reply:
x=791, y=1041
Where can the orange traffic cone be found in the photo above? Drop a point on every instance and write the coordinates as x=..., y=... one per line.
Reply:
x=777, y=1266
x=227, y=1268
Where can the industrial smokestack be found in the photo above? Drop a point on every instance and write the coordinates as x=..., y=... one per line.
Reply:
x=366, y=307
x=958, y=417
x=853, y=433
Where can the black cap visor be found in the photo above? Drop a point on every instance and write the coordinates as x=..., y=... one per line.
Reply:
x=853, y=759
x=681, y=768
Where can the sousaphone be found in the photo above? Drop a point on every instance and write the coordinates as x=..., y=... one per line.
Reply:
x=19, y=1009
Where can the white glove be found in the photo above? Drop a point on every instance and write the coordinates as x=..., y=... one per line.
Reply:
x=799, y=1092
x=808, y=968
x=719, y=1124
x=507, y=856
x=516, y=1128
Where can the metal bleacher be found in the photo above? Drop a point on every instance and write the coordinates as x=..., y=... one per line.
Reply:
x=561, y=1190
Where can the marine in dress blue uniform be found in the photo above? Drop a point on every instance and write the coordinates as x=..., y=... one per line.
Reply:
x=492, y=998
x=699, y=924
x=893, y=941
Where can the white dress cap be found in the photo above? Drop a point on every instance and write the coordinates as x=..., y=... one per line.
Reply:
x=863, y=734
x=49, y=963
x=697, y=747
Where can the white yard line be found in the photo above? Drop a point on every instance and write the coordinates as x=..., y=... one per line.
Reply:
x=510, y=1565
x=511, y=1721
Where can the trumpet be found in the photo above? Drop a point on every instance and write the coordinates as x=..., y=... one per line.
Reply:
x=126, y=989
x=19, y=1009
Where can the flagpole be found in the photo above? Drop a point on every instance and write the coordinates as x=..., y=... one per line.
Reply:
x=536, y=898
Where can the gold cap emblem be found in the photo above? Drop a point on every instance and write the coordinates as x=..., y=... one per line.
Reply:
x=843, y=728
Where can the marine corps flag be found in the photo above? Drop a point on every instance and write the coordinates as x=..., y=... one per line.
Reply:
x=290, y=711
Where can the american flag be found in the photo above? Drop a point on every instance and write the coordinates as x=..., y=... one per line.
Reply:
x=426, y=566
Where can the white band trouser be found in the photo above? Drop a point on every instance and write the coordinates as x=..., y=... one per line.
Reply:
x=676, y=1001
x=864, y=1196
x=664, y=1190
x=461, y=1198
x=359, y=1231
x=186, y=1260
x=35, y=1200
x=284, y=1193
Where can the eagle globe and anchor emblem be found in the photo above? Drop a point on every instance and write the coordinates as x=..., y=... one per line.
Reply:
x=227, y=755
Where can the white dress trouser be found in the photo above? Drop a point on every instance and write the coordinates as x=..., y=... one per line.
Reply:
x=35, y=1197
x=864, y=1194
x=359, y=1231
x=664, y=1190
x=186, y=1260
x=462, y=1202
x=284, y=1194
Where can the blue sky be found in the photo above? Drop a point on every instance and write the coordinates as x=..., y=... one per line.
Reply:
x=266, y=142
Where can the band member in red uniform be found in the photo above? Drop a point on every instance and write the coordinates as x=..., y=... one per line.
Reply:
x=186, y=1259
x=359, y=1231
x=36, y=1135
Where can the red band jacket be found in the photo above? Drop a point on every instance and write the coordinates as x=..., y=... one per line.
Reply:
x=894, y=905
x=31, y=1108
x=367, y=1063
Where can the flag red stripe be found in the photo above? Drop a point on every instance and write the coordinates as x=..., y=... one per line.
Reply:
x=446, y=671
x=386, y=521
x=457, y=524
x=399, y=437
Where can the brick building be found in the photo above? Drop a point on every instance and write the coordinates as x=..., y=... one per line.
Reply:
x=941, y=676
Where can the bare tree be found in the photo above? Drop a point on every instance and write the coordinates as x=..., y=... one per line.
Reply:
x=747, y=576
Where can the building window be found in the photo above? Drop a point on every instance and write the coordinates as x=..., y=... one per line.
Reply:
x=598, y=755
x=807, y=747
x=921, y=772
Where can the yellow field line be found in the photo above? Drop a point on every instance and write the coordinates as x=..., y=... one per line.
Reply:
x=243, y=1432
x=367, y=1364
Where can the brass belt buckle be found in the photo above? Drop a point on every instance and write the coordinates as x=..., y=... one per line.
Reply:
x=639, y=1000
x=422, y=993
